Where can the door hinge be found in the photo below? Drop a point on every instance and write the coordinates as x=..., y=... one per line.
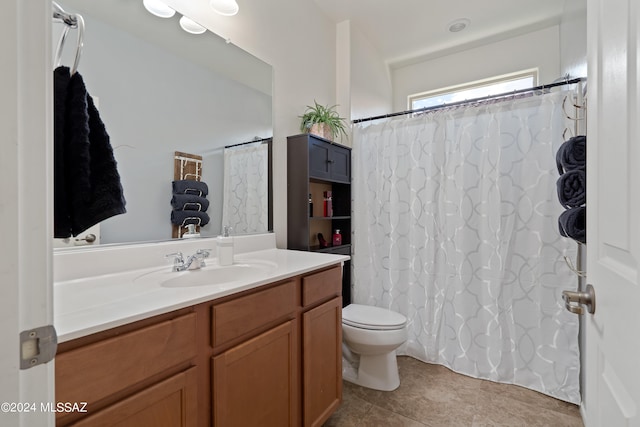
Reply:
x=38, y=346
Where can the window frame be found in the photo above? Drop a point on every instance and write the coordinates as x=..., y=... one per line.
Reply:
x=503, y=78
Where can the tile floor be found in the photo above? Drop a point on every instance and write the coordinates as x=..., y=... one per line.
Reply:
x=432, y=395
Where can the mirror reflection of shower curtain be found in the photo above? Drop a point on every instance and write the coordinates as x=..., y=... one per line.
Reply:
x=455, y=226
x=245, y=194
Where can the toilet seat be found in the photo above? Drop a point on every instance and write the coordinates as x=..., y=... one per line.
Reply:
x=372, y=318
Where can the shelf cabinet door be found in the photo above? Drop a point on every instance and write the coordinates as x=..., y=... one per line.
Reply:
x=319, y=159
x=329, y=161
x=322, y=362
x=256, y=383
x=340, y=164
x=170, y=403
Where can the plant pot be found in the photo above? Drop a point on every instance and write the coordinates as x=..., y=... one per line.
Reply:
x=322, y=130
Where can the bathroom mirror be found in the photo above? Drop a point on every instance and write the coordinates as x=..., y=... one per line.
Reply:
x=160, y=90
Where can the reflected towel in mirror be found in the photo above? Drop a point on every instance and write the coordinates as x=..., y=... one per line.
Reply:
x=187, y=202
x=188, y=186
x=182, y=218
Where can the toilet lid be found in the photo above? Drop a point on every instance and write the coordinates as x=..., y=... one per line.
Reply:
x=369, y=317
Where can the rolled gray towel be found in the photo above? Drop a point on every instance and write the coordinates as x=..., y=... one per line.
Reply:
x=180, y=217
x=572, y=154
x=572, y=188
x=573, y=223
x=189, y=186
x=187, y=202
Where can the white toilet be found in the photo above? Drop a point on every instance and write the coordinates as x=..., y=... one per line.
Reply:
x=374, y=334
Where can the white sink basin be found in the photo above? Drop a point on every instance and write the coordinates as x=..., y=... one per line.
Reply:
x=209, y=275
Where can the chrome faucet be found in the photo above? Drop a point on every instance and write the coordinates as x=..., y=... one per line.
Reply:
x=179, y=263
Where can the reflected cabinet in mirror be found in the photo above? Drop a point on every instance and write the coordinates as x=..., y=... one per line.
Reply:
x=160, y=90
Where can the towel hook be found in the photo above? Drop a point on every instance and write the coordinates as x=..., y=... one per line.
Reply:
x=579, y=273
x=564, y=134
x=577, y=107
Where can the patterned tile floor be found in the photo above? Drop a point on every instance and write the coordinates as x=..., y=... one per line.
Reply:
x=432, y=395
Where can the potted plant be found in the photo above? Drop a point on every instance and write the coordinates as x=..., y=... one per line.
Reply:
x=323, y=121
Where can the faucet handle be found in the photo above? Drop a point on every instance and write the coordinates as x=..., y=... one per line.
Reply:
x=178, y=258
x=204, y=253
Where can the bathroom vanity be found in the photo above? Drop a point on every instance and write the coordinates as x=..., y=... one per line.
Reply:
x=261, y=350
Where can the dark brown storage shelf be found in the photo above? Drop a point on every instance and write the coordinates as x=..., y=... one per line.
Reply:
x=330, y=249
x=329, y=217
x=315, y=166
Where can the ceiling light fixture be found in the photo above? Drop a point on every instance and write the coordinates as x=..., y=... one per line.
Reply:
x=158, y=8
x=224, y=7
x=190, y=26
x=458, y=25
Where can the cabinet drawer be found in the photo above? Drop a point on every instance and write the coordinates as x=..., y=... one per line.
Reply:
x=95, y=371
x=319, y=286
x=170, y=403
x=245, y=314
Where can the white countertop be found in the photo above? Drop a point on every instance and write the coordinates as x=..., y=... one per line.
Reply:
x=87, y=305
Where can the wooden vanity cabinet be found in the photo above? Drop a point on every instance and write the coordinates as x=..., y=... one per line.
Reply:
x=321, y=345
x=255, y=382
x=265, y=357
x=132, y=375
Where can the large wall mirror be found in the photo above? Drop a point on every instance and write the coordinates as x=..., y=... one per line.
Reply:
x=160, y=90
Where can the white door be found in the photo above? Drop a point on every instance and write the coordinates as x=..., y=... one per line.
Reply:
x=612, y=394
x=25, y=206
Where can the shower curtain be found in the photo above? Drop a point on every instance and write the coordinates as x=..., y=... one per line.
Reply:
x=455, y=226
x=245, y=205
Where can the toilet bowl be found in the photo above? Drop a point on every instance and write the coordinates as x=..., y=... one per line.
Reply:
x=372, y=335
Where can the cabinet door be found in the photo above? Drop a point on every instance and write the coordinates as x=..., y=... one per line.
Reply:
x=319, y=159
x=256, y=383
x=170, y=403
x=322, y=361
x=340, y=163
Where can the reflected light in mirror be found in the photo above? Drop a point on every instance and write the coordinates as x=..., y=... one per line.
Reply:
x=190, y=26
x=158, y=8
x=224, y=7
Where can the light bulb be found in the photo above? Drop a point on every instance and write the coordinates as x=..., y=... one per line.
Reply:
x=191, y=26
x=224, y=7
x=158, y=8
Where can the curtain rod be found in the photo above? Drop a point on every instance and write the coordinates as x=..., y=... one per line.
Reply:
x=471, y=101
x=249, y=142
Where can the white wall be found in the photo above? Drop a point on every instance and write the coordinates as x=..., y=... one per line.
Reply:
x=537, y=49
x=573, y=38
x=371, y=92
x=299, y=41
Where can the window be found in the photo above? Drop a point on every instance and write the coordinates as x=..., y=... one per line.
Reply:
x=493, y=86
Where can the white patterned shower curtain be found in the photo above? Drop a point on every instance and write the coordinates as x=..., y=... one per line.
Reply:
x=455, y=226
x=245, y=205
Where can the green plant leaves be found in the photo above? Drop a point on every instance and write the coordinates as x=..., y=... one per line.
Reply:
x=323, y=114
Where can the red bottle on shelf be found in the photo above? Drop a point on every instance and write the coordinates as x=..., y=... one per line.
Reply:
x=328, y=204
x=337, y=238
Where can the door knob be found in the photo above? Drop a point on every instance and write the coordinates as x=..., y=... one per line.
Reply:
x=574, y=300
x=89, y=238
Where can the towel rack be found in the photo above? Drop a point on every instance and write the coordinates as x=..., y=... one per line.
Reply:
x=71, y=20
x=186, y=166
